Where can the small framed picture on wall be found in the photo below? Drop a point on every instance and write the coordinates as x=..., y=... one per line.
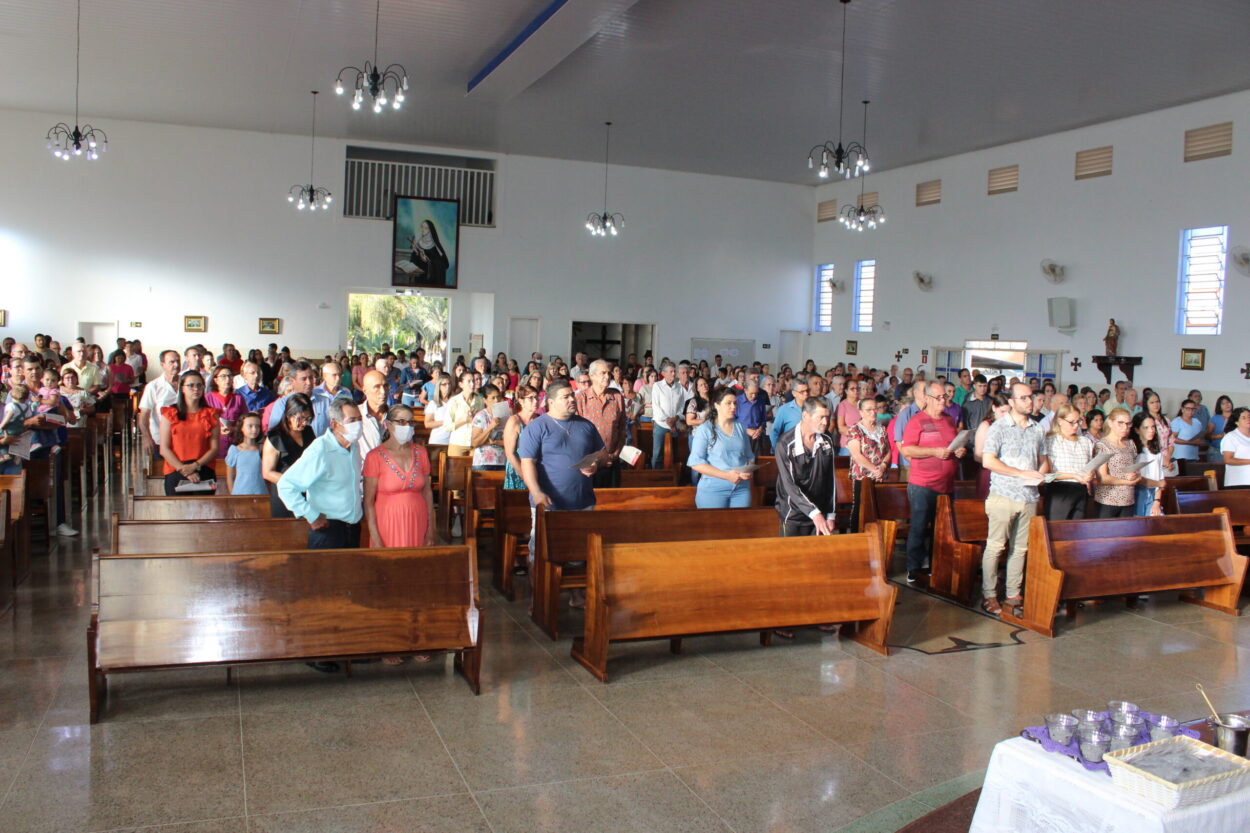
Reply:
x=195, y=323
x=4, y=318
x=852, y=348
x=270, y=326
x=1193, y=358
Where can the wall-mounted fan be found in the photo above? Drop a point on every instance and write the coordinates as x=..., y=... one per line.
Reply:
x=923, y=282
x=1240, y=258
x=837, y=287
x=1053, y=272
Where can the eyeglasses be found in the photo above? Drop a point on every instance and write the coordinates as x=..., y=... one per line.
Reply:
x=400, y=421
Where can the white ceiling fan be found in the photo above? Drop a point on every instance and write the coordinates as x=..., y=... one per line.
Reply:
x=1053, y=272
x=1239, y=256
x=923, y=282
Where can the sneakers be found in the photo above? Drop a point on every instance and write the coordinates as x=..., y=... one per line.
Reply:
x=914, y=576
x=66, y=531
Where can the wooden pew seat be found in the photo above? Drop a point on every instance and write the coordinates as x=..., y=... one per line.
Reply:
x=660, y=591
x=219, y=535
x=959, y=532
x=1072, y=560
x=166, y=611
x=161, y=508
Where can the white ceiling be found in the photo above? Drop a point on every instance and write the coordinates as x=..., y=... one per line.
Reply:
x=735, y=87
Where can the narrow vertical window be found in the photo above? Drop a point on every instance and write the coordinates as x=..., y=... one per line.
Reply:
x=822, y=307
x=865, y=289
x=1200, y=295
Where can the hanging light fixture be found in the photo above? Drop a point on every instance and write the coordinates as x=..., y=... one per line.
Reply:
x=858, y=218
x=374, y=81
x=601, y=225
x=309, y=196
x=837, y=160
x=65, y=141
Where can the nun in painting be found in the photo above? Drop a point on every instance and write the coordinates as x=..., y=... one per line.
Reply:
x=428, y=254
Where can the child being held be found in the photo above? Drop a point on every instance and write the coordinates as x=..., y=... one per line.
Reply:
x=17, y=410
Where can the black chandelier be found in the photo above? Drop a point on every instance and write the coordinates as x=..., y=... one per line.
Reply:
x=844, y=161
x=374, y=81
x=601, y=225
x=65, y=141
x=860, y=217
x=309, y=196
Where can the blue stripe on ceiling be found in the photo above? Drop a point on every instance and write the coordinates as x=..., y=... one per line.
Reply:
x=524, y=35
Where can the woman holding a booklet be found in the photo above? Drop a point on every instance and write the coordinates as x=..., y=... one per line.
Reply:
x=720, y=450
x=189, y=432
x=488, y=425
x=1070, y=454
x=1149, y=464
x=1117, y=479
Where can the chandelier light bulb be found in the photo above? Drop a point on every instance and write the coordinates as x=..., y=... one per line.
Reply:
x=338, y=87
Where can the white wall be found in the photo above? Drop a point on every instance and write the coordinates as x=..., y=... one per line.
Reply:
x=177, y=221
x=1117, y=235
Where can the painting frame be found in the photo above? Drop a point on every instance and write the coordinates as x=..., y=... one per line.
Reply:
x=414, y=265
x=269, y=326
x=4, y=318
x=1193, y=358
x=852, y=348
x=195, y=323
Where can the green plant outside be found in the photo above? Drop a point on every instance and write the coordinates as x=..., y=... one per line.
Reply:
x=402, y=321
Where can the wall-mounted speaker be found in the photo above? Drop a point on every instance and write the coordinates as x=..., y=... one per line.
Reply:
x=1062, y=313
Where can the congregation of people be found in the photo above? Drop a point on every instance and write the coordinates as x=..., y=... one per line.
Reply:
x=341, y=441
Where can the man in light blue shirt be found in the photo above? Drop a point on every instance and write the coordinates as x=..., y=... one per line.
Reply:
x=322, y=396
x=789, y=414
x=302, y=381
x=323, y=487
x=905, y=416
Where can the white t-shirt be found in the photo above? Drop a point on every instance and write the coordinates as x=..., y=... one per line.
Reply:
x=157, y=394
x=1239, y=444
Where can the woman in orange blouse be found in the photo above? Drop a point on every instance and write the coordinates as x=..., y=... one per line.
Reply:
x=189, y=432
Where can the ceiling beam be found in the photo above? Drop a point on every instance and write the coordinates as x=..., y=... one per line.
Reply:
x=559, y=29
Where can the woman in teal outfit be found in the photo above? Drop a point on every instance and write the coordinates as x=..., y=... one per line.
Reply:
x=718, y=448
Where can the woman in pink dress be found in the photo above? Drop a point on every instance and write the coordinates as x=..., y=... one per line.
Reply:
x=398, y=503
x=230, y=404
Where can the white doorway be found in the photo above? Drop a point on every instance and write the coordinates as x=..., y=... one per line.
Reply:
x=790, y=349
x=522, y=339
x=103, y=333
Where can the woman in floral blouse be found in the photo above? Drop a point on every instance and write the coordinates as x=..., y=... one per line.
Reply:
x=488, y=433
x=870, y=453
x=1115, y=491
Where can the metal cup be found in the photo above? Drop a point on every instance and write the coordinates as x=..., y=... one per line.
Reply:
x=1232, y=732
x=1164, y=727
x=1094, y=745
x=1061, y=727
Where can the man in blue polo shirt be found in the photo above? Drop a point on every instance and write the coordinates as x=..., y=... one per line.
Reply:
x=550, y=449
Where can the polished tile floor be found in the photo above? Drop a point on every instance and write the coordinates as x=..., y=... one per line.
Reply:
x=817, y=735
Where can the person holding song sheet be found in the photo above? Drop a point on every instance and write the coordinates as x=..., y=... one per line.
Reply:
x=1148, y=493
x=1116, y=478
x=720, y=451
x=1070, y=453
x=927, y=443
x=1015, y=454
x=189, y=431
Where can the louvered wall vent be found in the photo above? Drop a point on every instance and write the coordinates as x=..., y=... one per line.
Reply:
x=868, y=200
x=373, y=177
x=1209, y=142
x=929, y=193
x=1093, y=162
x=1004, y=180
x=826, y=211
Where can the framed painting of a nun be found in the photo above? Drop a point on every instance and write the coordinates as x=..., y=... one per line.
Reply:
x=425, y=243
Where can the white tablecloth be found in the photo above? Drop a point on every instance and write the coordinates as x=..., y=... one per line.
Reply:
x=1030, y=790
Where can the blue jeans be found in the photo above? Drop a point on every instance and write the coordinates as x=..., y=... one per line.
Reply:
x=337, y=535
x=1145, y=496
x=714, y=493
x=658, y=430
x=923, y=510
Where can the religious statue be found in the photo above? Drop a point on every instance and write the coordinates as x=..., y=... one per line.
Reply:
x=1112, y=339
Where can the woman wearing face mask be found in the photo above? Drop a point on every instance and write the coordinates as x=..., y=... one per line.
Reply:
x=398, y=503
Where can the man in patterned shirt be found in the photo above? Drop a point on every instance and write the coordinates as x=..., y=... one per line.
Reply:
x=1015, y=454
x=605, y=408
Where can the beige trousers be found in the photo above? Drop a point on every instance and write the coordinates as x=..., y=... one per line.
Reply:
x=1008, y=523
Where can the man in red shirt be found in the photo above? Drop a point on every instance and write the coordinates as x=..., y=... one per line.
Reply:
x=926, y=445
x=605, y=407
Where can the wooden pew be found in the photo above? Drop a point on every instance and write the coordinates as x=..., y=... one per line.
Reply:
x=453, y=478
x=8, y=561
x=168, y=611
x=959, y=532
x=41, y=489
x=1235, y=501
x=1073, y=560
x=435, y=453
x=659, y=591
x=233, y=535
x=632, y=478
x=512, y=535
x=161, y=508
x=1199, y=468
x=18, y=525
x=889, y=502
x=765, y=480
x=560, y=541
x=479, y=502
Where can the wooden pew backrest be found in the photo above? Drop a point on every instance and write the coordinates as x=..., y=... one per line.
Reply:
x=222, y=507
x=670, y=497
x=140, y=537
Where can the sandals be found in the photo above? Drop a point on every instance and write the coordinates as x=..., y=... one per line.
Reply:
x=784, y=634
x=992, y=607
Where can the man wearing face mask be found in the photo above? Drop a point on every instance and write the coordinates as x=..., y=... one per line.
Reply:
x=323, y=486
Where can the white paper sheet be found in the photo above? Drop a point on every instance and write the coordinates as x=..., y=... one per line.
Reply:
x=588, y=461
x=1096, y=463
x=202, y=486
x=961, y=439
x=630, y=454
x=501, y=410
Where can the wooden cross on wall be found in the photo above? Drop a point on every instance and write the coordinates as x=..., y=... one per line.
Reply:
x=1245, y=371
x=898, y=357
x=1076, y=365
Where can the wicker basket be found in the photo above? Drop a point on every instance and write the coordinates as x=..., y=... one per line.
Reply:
x=1165, y=793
